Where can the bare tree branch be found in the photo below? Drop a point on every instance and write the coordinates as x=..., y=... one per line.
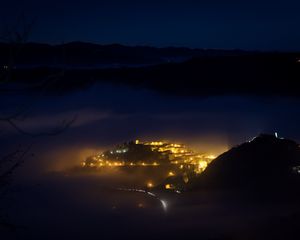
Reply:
x=59, y=129
x=16, y=36
x=16, y=164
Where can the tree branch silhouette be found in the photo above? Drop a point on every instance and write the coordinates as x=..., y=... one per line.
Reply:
x=16, y=35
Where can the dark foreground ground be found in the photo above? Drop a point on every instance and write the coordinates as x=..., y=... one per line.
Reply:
x=89, y=207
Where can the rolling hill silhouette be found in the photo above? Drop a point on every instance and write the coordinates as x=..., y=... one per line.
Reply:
x=89, y=54
x=174, y=71
x=264, y=162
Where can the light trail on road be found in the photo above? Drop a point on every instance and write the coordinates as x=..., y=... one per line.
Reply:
x=162, y=202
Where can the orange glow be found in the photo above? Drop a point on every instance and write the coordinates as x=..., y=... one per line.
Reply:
x=169, y=186
x=140, y=205
x=149, y=184
x=166, y=154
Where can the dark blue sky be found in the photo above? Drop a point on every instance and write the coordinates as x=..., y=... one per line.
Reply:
x=249, y=24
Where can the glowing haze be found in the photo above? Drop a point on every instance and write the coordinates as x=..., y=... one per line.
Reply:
x=207, y=125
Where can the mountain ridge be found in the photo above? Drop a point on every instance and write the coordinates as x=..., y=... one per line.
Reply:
x=265, y=162
x=91, y=53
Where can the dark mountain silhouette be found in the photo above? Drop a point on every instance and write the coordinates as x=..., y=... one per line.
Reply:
x=176, y=71
x=266, y=162
x=93, y=55
x=261, y=74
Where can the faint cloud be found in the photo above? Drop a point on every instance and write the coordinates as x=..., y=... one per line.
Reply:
x=52, y=120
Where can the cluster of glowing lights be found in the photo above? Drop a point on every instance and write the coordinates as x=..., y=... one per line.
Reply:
x=202, y=165
x=178, y=154
x=154, y=143
x=119, y=151
x=102, y=163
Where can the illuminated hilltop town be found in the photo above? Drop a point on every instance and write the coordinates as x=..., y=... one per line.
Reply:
x=176, y=159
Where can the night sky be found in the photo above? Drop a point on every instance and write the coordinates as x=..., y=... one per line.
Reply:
x=255, y=24
x=64, y=110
